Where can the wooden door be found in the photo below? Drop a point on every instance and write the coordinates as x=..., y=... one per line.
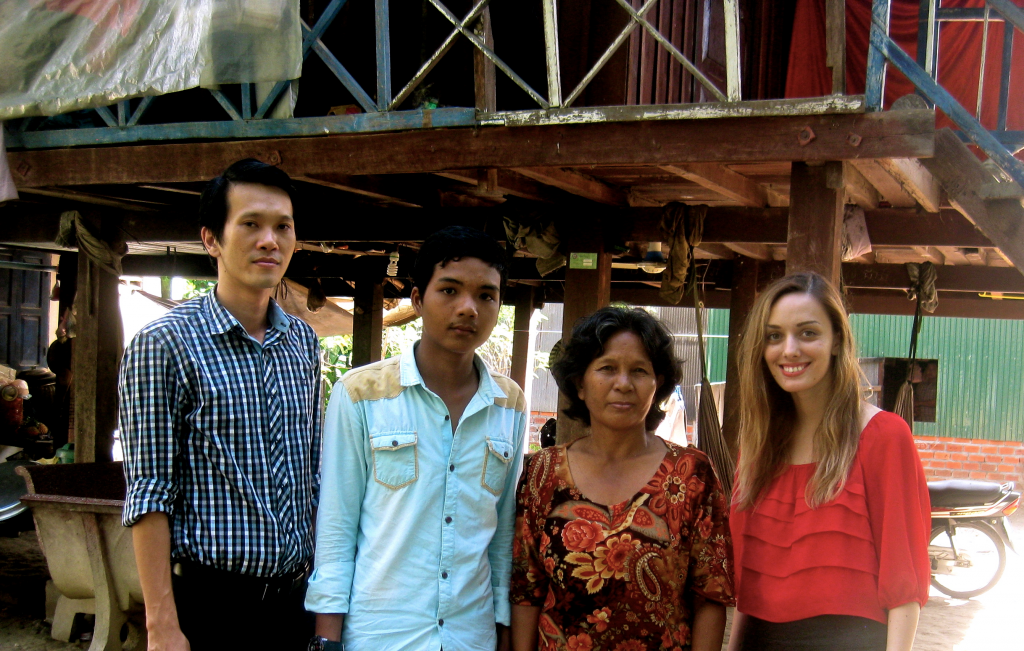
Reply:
x=24, y=311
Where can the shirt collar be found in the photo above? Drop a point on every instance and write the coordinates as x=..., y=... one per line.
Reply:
x=410, y=375
x=222, y=321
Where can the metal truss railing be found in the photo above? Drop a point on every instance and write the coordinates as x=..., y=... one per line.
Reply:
x=923, y=73
x=252, y=120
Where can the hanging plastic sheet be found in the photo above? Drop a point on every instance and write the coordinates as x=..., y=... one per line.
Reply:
x=58, y=56
x=7, y=189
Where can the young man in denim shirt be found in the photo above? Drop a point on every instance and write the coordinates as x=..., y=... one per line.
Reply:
x=421, y=456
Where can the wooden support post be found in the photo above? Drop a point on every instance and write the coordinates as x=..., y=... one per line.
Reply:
x=744, y=291
x=97, y=357
x=483, y=68
x=815, y=219
x=523, y=299
x=835, y=43
x=367, y=322
x=586, y=290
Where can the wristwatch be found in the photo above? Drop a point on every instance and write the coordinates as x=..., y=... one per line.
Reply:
x=318, y=643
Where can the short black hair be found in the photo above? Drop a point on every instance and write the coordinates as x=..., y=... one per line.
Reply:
x=454, y=243
x=589, y=336
x=213, y=204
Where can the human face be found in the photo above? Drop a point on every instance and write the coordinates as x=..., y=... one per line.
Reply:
x=619, y=384
x=800, y=344
x=258, y=239
x=459, y=306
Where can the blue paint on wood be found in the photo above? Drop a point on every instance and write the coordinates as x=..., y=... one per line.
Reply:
x=1009, y=11
x=107, y=116
x=226, y=104
x=382, y=17
x=246, y=101
x=1004, y=79
x=875, y=82
x=346, y=79
x=140, y=110
x=309, y=37
x=942, y=99
x=238, y=129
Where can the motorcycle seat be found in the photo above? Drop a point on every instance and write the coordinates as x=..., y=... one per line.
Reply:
x=953, y=493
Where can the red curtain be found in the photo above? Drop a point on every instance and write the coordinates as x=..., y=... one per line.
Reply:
x=960, y=46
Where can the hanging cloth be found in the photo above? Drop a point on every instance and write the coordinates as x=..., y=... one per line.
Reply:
x=538, y=236
x=74, y=233
x=710, y=440
x=682, y=227
x=922, y=289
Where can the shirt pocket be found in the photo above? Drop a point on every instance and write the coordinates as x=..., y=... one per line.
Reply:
x=395, y=463
x=496, y=464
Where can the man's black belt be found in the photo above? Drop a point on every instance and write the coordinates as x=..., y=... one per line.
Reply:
x=260, y=587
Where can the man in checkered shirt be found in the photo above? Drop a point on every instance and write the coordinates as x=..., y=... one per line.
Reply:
x=220, y=419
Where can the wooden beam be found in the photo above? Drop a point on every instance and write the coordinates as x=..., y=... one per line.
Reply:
x=523, y=300
x=886, y=134
x=367, y=322
x=888, y=188
x=378, y=188
x=751, y=250
x=510, y=183
x=858, y=189
x=915, y=180
x=576, y=183
x=586, y=290
x=949, y=278
x=712, y=251
x=724, y=181
x=835, y=43
x=816, y=219
x=963, y=176
x=951, y=304
x=97, y=357
x=742, y=295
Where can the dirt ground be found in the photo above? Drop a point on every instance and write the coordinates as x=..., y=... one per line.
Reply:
x=990, y=622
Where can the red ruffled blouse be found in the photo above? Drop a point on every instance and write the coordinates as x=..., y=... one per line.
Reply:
x=861, y=554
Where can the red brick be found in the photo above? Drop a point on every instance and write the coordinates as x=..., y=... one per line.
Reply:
x=972, y=466
x=988, y=467
x=958, y=456
x=954, y=447
x=943, y=455
x=977, y=475
x=990, y=449
x=953, y=465
x=1006, y=469
x=1009, y=450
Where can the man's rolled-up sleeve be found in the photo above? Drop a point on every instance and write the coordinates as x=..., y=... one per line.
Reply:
x=500, y=550
x=342, y=487
x=150, y=401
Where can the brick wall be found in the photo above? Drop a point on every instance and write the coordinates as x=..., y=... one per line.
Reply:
x=951, y=458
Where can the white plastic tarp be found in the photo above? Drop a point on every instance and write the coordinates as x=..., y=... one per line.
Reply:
x=58, y=56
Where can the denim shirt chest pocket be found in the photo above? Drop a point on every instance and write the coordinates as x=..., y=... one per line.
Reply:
x=395, y=462
x=496, y=465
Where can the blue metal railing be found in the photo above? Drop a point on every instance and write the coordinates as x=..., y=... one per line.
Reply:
x=923, y=73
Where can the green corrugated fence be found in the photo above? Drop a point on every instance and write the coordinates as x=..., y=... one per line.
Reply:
x=981, y=368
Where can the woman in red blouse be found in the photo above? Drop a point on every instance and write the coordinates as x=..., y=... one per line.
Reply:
x=622, y=539
x=830, y=515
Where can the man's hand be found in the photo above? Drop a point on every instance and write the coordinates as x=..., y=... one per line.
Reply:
x=168, y=638
x=504, y=637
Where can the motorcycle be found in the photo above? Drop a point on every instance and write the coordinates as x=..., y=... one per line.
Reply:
x=970, y=534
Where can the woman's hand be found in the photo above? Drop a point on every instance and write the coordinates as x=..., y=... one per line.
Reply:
x=524, y=627
x=708, y=627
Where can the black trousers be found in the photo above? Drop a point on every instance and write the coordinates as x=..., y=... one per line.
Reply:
x=220, y=610
x=823, y=633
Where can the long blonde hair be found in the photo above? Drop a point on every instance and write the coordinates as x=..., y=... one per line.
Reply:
x=768, y=413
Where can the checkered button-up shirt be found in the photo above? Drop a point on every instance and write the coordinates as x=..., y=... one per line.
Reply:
x=222, y=433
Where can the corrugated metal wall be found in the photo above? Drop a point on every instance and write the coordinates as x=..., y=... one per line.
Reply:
x=981, y=370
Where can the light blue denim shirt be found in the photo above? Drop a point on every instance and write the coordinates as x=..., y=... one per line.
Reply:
x=414, y=531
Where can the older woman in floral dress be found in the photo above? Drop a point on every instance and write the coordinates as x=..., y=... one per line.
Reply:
x=622, y=539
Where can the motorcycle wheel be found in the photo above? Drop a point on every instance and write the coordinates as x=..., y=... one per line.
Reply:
x=980, y=545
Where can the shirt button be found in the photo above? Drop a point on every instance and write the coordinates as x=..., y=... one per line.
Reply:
x=506, y=455
x=440, y=622
x=447, y=417
x=394, y=444
x=451, y=468
x=444, y=575
x=448, y=519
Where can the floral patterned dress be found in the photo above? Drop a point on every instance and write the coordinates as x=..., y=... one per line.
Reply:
x=626, y=577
